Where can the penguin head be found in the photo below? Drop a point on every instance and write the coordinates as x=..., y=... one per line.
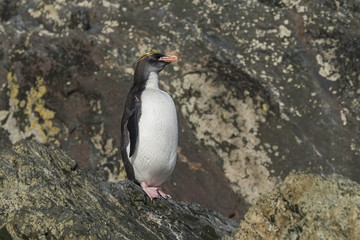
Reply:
x=151, y=62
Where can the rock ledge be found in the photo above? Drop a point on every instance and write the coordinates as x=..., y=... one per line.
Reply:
x=43, y=195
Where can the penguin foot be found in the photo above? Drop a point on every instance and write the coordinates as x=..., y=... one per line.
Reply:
x=154, y=192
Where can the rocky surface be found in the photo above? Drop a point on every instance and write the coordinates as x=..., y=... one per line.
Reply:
x=44, y=195
x=306, y=206
x=262, y=87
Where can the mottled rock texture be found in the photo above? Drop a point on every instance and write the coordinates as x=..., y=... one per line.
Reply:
x=262, y=87
x=306, y=206
x=43, y=195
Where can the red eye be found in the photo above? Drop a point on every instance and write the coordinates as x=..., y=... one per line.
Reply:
x=155, y=59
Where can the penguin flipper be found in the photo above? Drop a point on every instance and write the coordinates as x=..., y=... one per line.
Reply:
x=133, y=128
x=129, y=135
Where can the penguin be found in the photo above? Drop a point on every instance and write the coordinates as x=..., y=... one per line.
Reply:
x=149, y=128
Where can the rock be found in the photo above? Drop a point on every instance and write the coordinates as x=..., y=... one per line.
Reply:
x=262, y=87
x=306, y=206
x=44, y=195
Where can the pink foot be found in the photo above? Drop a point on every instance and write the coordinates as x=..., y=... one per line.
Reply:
x=153, y=192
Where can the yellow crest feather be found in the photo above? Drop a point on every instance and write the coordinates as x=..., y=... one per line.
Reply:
x=144, y=55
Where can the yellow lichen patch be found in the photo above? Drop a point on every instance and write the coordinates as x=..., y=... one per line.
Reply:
x=13, y=87
x=46, y=114
x=35, y=103
x=265, y=107
x=122, y=173
x=38, y=122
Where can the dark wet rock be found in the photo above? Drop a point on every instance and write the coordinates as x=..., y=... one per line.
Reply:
x=306, y=206
x=262, y=87
x=44, y=195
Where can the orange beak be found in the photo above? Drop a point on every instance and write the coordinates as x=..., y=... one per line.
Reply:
x=169, y=58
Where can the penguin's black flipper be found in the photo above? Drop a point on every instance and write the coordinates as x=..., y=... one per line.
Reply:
x=133, y=128
x=130, y=133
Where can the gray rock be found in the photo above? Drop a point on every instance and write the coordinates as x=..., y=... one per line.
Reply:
x=305, y=206
x=44, y=195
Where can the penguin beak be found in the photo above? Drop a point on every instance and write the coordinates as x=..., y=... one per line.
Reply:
x=169, y=58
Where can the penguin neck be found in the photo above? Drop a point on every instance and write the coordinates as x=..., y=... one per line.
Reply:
x=152, y=81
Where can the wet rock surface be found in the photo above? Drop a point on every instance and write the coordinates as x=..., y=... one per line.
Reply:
x=306, y=206
x=44, y=195
x=262, y=87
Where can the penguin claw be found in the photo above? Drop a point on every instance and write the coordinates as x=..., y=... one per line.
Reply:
x=162, y=194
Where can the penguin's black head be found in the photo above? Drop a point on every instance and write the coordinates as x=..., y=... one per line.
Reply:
x=151, y=62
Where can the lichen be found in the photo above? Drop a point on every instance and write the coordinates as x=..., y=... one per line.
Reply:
x=36, y=104
x=107, y=150
x=234, y=125
x=327, y=69
x=306, y=206
x=109, y=27
x=38, y=122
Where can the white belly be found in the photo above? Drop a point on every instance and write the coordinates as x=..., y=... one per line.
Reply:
x=155, y=155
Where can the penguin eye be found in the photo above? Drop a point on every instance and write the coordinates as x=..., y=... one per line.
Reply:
x=154, y=59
